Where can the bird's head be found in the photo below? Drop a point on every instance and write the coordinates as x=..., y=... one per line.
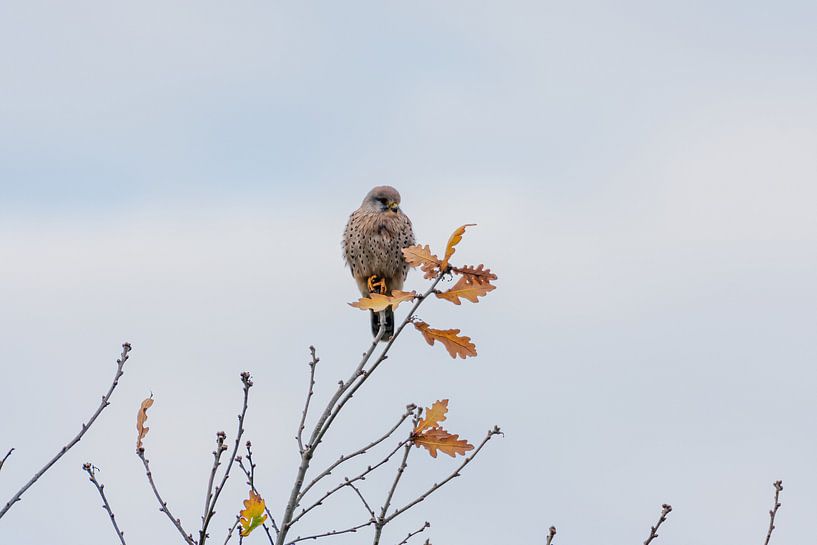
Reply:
x=383, y=198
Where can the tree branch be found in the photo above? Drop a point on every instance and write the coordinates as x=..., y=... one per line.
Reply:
x=437, y=486
x=415, y=532
x=220, y=448
x=352, y=530
x=348, y=482
x=245, y=380
x=232, y=529
x=665, y=510
x=308, y=453
x=90, y=470
x=309, y=394
x=362, y=499
x=381, y=520
x=120, y=364
x=343, y=394
x=188, y=537
x=778, y=487
x=345, y=458
x=365, y=374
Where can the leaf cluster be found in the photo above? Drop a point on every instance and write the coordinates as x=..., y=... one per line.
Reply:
x=429, y=434
x=474, y=282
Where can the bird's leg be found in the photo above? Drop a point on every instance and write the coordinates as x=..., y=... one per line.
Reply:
x=373, y=283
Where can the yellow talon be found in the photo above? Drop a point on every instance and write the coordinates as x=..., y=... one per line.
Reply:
x=380, y=285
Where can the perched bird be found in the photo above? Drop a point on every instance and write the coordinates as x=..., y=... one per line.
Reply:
x=373, y=240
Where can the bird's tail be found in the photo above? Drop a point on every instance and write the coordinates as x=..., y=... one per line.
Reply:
x=389, y=315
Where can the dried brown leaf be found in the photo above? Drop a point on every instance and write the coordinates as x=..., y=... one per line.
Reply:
x=475, y=275
x=437, y=438
x=455, y=239
x=433, y=416
x=455, y=344
x=421, y=256
x=378, y=302
x=466, y=290
x=141, y=416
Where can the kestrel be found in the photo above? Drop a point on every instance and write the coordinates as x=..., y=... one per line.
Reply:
x=373, y=240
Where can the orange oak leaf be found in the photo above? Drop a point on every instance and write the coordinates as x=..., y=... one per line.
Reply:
x=252, y=516
x=455, y=239
x=378, y=302
x=466, y=290
x=433, y=416
x=455, y=344
x=438, y=439
x=141, y=416
x=475, y=275
x=421, y=256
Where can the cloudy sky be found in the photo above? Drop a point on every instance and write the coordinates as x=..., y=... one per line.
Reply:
x=178, y=174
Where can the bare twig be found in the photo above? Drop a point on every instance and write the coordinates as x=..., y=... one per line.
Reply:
x=188, y=537
x=551, y=535
x=232, y=529
x=778, y=487
x=91, y=470
x=343, y=394
x=346, y=457
x=381, y=520
x=437, y=486
x=220, y=448
x=309, y=394
x=351, y=530
x=266, y=529
x=665, y=510
x=362, y=499
x=247, y=382
x=3, y=461
x=415, y=532
x=120, y=364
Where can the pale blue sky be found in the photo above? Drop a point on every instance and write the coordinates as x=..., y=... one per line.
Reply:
x=177, y=174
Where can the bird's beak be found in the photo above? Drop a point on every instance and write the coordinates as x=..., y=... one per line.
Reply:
x=393, y=205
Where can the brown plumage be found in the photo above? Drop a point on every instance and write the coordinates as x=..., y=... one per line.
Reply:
x=373, y=240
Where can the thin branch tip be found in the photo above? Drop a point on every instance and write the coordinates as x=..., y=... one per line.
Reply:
x=210, y=506
x=421, y=529
x=778, y=488
x=666, y=509
x=105, y=401
x=90, y=469
x=551, y=535
x=3, y=460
